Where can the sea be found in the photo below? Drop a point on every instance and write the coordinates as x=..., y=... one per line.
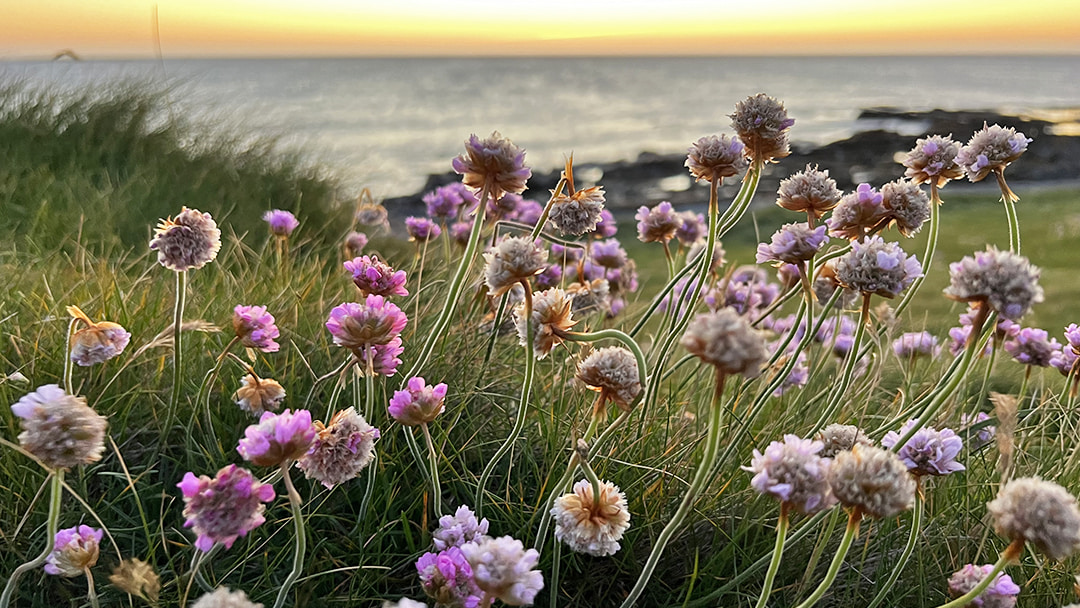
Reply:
x=386, y=123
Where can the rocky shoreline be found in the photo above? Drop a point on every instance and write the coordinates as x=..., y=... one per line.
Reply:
x=868, y=156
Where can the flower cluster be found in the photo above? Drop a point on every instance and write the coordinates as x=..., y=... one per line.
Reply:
x=258, y=395
x=933, y=160
x=74, y=551
x=1032, y=346
x=341, y=449
x=504, y=569
x=929, y=451
x=552, y=317
x=876, y=267
x=991, y=149
x=809, y=191
x=421, y=229
x=1040, y=512
x=762, y=124
x=255, y=327
x=613, y=372
x=512, y=260
x=916, y=344
x=224, y=508
x=873, y=480
x=794, y=472
x=447, y=578
x=792, y=244
x=1000, y=594
x=857, y=214
x=372, y=276
x=418, y=403
x=725, y=340
x=277, y=438
x=187, y=242
x=494, y=164
x=60, y=429
x=96, y=342
x=712, y=158
x=282, y=223
x=590, y=525
x=658, y=224
x=1005, y=281
x=374, y=322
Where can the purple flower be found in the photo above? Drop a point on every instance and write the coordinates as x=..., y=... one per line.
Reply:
x=494, y=164
x=762, y=124
x=460, y=232
x=712, y=158
x=527, y=212
x=1072, y=336
x=933, y=160
x=608, y=254
x=991, y=149
x=1064, y=361
x=858, y=213
x=371, y=323
x=791, y=471
x=447, y=201
x=74, y=551
x=748, y=291
x=606, y=227
x=224, y=508
x=96, y=342
x=796, y=378
x=255, y=328
x=504, y=569
x=375, y=277
x=189, y=241
x=1032, y=346
x=692, y=229
x=916, y=344
x=1000, y=594
x=504, y=206
x=341, y=449
x=550, y=277
x=282, y=223
x=447, y=578
x=421, y=229
x=419, y=403
x=929, y=451
x=1004, y=280
x=277, y=438
x=657, y=224
x=983, y=436
x=384, y=357
x=793, y=244
x=566, y=254
x=876, y=267
x=457, y=529
x=809, y=191
x=355, y=243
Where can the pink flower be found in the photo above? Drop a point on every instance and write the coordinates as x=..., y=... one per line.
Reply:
x=255, y=328
x=375, y=277
x=419, y=403
x=277, y=438
x=224, y=508
x=74, y=550
x=282, y=223
x=372, y=323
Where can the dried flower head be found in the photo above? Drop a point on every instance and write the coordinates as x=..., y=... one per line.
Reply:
x=282, y=223
x=762, y=124
x=96, y=342
x=1040, y=512
x=75, y=550
x=929, y=451
x=792, y=244
x=991, y=149
x=372, y=276
x=591, y=526
x=447, y=578
x=187, y=242
x=836, y=438
x=224, y=508
x=876, y=267
x=809, y=191
x=1004, y=280
x=370, y=213
x=372, y=323
x=793, y=471
x=258, y=395
x=341, y=449
x=421, y=229
x=277, y=438
x=504, y=569
x=906, y=206
x=873, y=480
x=858, y=213
x=457, y=529
x=419, y=403
x=658, y=224
x=714, y=157
x=726, y=340
x=512, y=260
x=933, y=160
x=1032, y=346
x=551, y=318
x=578, y=211
x=916, y=344
x=590, y=296
x=494, y=164
x=223, y=598
x=60, y=429
x=136, y=577
x=255, y=327
x=1000, y=594
x=613, y=372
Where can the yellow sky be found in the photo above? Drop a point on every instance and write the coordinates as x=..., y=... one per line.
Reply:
x=123, y=28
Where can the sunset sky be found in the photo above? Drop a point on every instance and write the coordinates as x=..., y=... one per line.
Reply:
x=241, y=28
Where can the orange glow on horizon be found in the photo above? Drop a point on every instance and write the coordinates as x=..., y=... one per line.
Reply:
x=556, y=27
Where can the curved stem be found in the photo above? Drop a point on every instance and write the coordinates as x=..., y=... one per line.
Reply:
x=928, y=254
x=774, y=564
x=208, y=386
x=1009, y=198
x=301, y=537
x=838, y=559
x=621, y=337
x=916, y=523
x=52, y=524
x=523, y=403
x=436, y=489
x=69, y=365
x=697, y=485
x=1010, y=553
x=91, y=593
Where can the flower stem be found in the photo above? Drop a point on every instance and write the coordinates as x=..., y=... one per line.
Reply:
x=178, y=353
x=436, y=489
x=91, y=593
x=369, y=412
x=1010, y=553
x=301, y=537
x=928, y=254
x=697, y=485
x=621, y=337
x=1009, y=198
x=523, y=403
x=774, y=564
x=208, y=386
x=52, y=524
x=69, y=365
x=916, y=523
x=840, y=392
x=838, y=559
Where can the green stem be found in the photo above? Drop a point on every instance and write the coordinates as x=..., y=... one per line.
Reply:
x=301, y=537
x=523, y=403
x=619, y=336
x=697, y=485
x=69, y=365
x=369, y=414
x=436, y=489
x=916, y=523
x=928, y=254
x=178, y=353
x=1009, y=198
x=1010, y=553
x=52, y=524
x=208, y=386
x=838, y=395
x=838, y=559
x=555, y=559
x=774, y=563
x=454, y=293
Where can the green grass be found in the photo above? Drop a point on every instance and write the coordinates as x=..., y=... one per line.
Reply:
x=105, y=268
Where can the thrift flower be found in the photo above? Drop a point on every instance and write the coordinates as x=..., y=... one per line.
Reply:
x=494, y=164
x=991, y=149
x=1040, y=512
x=608, y=254
x=447, y=578
x=255, y=328
x=857, y=214
x=282, y=223
x=383, y=358
x=551, y=318
x=550, y=277
x=372, y=276
x=590, y=296
x=449, y=200
x=460, y=232
x=876, y=267
x=727, y=341
x=929, y=451
x=825, y=284
x=503, y=568
x=579, y=211
x=527, y=212
x=792, y=244
x=96, y=342
x=1000, y=594
x=588, y=525
x=873, y=480
x=457, y=529
x=224, y=508
x=372, y=214
x=1007, y=282
x=341, y=449
x=223, y=598
x=257, y=395
x=1032, y=347
x=836, y=438
x=421, y=229
x=981, y=437
x=906, y=206
x=513, y=260
x=60, y=429
x=187, y=242
x=916, y=344
x=355, y=243
x=606, y=227
x=372, y=323
x=793, y=472
x=933, y=160
x=809, y=191
x=419, y=403
x=712, y=158
x=613, y=372
x=658, y=224
x=136, y=577
x=74, y=551
x=277, y=438
x=762, y=124
x=692, y=229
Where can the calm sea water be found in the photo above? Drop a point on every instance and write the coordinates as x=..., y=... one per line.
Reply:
x=387, y=123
